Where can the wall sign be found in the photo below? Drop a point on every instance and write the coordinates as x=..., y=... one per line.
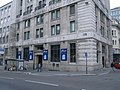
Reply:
x=19, y=55
x=64, y=54
x=31, y=55
x=45, y=55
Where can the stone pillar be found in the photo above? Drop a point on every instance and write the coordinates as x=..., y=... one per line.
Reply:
x=87, y=46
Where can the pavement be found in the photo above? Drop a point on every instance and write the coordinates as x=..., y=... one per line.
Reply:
x=99, y=72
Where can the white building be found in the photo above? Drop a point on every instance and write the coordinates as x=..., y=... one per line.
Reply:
x=116, y=39
x=5, y=22
x=58, y=33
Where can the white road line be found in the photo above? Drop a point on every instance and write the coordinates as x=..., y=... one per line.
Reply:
x=6, y=78
x=42, y=83
x=103, y=73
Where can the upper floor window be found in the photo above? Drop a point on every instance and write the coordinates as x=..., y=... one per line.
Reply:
x=28, y=1
x=39, y=32
x=0, y=30
x=39, y=19
x=18, y=25
x=72, y=26
x=54, y=1
x=18, y=37
x=27, y=23
x=72, y=10
x=55, y=14
x=55, y=29
x=27, y=35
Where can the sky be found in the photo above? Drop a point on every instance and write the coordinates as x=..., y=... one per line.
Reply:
x=113, y=3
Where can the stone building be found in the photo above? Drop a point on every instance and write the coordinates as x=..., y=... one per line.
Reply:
x=5, y=23
x=115, y=13
x=116, y=39
x=62, y=34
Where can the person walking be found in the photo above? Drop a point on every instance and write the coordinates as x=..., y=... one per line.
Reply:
x=112, y=66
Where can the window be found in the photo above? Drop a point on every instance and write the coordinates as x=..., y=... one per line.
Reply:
x=54, y=1
x=8, y=19
x=55, y=29
x=0, y=40
x=39, y=32
x=7, y=28
x=3, y=39
x=72, y=26
x=24, y=35
x=58, y=29
x=1, y=21
x=39, y=19
x=18, y=25
x=9, y=8
x=27, y=35
x=0, y=30
x=4, y=20
x=72, y=10
x=26, y=53
x=72, y=52
x=55, y=14
x=21, y=2
x=55, y=53
x=18, y=37
x=27, y=23
x=7, y=39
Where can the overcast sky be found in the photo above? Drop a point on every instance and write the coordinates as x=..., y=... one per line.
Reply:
x=114, y=3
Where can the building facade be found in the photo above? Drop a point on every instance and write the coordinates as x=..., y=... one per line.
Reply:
x=116, y=39
x=5, y=22
x=115, y=13
x=62, y=34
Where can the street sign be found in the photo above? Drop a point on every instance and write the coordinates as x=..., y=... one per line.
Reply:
x=45, y=55
x=64, y=54
x=31, y=55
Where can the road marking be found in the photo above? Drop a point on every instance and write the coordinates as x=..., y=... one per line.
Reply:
x=103, y=73
x=6, y=78
x=42, y=83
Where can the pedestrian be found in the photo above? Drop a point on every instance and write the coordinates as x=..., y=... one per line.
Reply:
x=112, y=66
x=39, y=68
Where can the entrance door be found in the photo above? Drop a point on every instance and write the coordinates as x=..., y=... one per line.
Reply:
x=39, y=59
x=103, y=61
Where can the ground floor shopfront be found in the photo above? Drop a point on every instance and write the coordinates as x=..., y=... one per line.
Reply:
x=67, y=55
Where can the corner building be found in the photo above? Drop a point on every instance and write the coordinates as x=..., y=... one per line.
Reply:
x=62, y=34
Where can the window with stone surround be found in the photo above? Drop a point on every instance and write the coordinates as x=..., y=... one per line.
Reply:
x=55, y=53
x=55, y=29
x=72, y=26
x=72, y=52
x=72, y=9
x=55, y=14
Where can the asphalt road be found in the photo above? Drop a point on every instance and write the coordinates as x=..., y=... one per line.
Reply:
x=22, y=81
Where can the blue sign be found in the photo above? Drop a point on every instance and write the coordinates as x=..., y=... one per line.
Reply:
x=31, y=55
x=45, y=55
x=64, y=54
x=19, y=55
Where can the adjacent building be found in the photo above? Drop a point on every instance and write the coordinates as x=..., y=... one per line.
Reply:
x=115, y=13
x=62, y=34
x=5, y=22
x=116, y=39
